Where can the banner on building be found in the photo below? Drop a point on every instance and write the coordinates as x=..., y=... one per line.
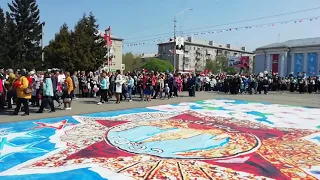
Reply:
x=233, y=61
x=275, y=63
x=298, y=63
x=239, y=61
x=312, y=64
x=179, y=45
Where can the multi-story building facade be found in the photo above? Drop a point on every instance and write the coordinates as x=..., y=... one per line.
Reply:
x=116, y=51
x=293, y=56
x=197, y=53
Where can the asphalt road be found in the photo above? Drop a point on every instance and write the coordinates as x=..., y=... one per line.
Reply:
x=89, y=105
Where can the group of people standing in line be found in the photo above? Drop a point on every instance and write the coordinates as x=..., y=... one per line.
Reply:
x=264, y=82
x=146, y=85
x=29, y=88
x=25, y=89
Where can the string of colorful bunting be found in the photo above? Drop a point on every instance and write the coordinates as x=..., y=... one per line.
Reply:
x=166, y=39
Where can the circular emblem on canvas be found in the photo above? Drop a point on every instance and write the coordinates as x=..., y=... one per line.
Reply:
x=182, y=139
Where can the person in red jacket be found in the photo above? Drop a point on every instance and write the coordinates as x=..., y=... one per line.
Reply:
x=30, y=80
x=2, y=95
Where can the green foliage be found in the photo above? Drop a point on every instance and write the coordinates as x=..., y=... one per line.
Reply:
x=158, y=65
x=132, y=62
x=220, y=64
x=213, y=66
x=58, y=52
x=25, y=17
x=2, y=37
x=79, y=49
x=11, y=48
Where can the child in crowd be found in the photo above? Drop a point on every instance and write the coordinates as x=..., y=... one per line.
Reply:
x=166, y=91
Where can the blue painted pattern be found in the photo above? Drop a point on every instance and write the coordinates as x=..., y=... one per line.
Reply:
x=39, y=149
x=312, y=67
x=298, y=63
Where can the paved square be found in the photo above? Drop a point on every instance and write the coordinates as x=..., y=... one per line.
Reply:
x=211, y=139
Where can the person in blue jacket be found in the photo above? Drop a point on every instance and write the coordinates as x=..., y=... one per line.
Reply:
x=47, y=94
x=104, y=88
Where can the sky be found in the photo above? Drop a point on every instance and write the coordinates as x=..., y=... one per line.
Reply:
x=136, y=21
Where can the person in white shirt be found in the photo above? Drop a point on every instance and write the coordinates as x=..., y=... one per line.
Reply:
x=61, y=77
x=119, y=81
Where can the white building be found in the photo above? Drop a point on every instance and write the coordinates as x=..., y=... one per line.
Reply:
x=115, y=51
x=298, y=55
x=197, y=52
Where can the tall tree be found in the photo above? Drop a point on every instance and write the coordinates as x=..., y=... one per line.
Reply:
x=220, y=64
x=11, y=43
x=58, y=52
x=131, y=61
x=88, y=49
x=158, y=65
x=29, y=31
x=2, y=36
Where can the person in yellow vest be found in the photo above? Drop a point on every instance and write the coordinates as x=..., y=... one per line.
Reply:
x=24, y=92
x=68, y=87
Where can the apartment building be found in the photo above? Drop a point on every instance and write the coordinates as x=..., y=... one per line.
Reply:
x=115, y=51
x=198, y=52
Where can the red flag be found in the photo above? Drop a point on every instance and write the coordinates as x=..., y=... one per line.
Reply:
x=107, y=36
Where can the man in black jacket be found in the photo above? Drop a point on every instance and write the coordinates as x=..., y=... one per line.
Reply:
x=54, y=79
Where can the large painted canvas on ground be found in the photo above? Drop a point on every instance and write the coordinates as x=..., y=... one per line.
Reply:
x=213, y=139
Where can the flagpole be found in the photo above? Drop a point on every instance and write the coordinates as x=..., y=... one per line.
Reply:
x=109, y=44
x=108, y=56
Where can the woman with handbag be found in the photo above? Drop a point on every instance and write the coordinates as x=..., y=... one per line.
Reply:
x=118, y=81
x=24, y=92
x=47, y=94
x=67, y=91
x=84, y=84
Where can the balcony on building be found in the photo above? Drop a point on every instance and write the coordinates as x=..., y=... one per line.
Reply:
x=187, y=48
x=219, y=52
x=186, y=62
x=209, y=52
x=208, y=57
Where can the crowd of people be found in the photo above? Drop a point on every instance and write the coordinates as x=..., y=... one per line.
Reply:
x=24, y=88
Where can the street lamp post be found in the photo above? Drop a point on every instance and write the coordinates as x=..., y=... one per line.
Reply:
x=42, y=43
x=174, y=35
